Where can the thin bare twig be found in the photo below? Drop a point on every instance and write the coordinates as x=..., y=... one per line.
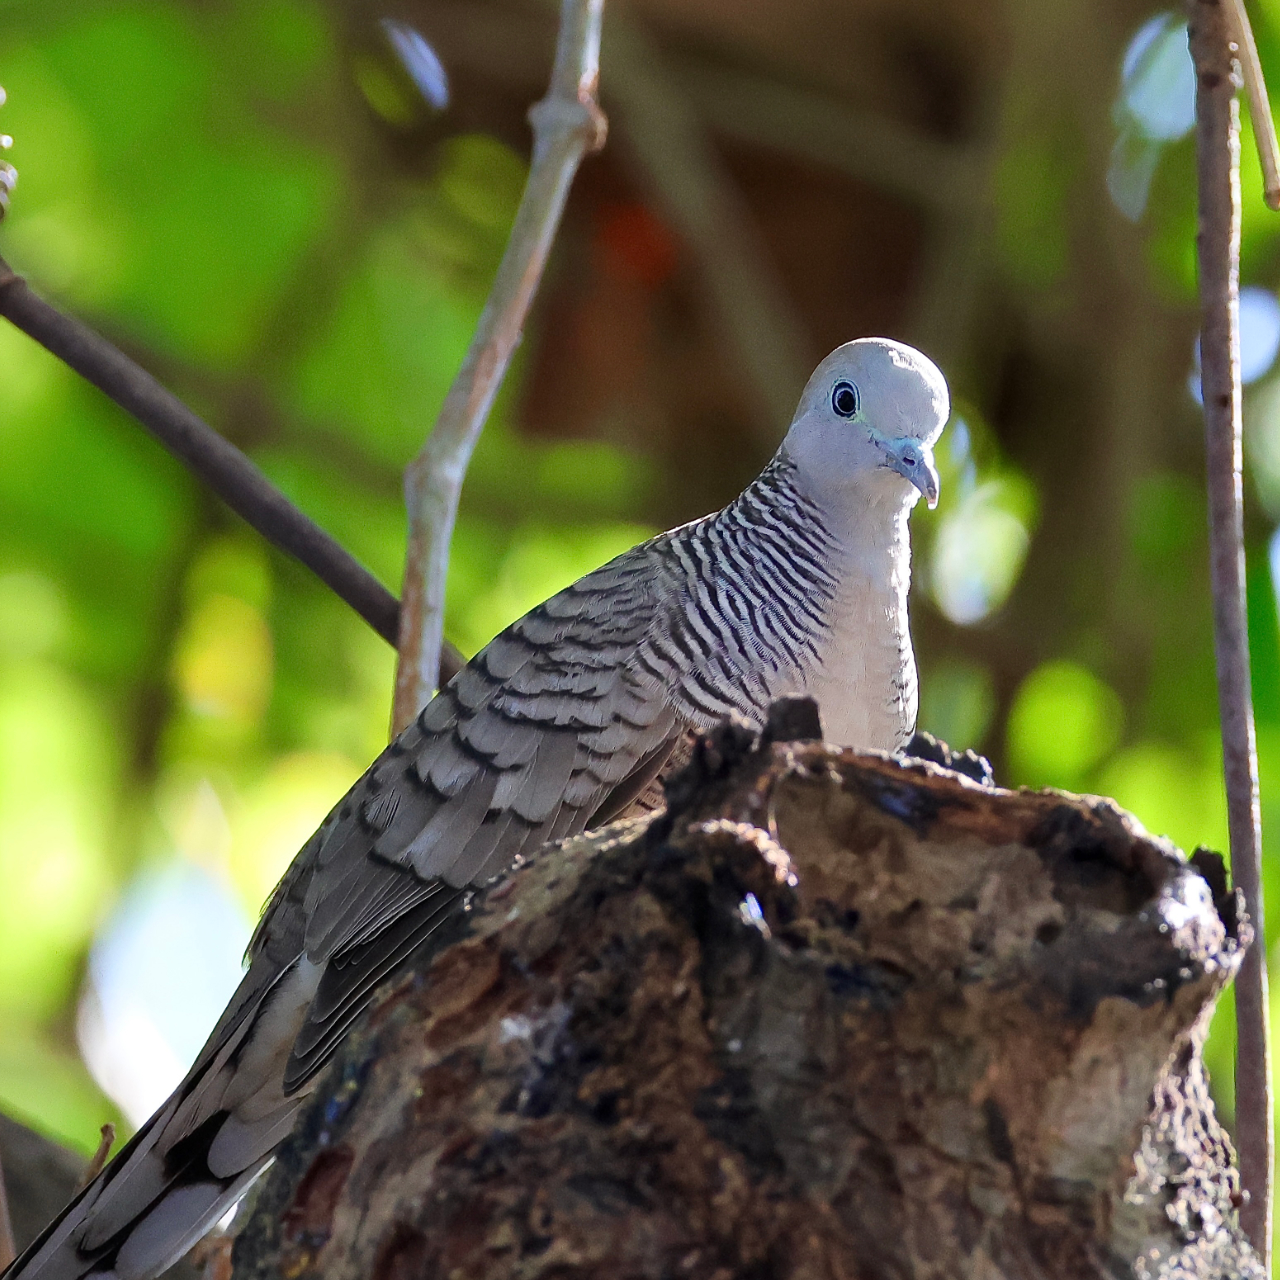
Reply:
x=567, y=125
x=209, y=456
x=99, y=1158
x=1218, y=163
x=1255, y=86
x=8, y=1249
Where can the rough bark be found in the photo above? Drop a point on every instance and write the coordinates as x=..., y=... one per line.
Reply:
x=833, y=1015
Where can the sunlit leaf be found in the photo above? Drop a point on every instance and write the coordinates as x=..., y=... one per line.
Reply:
x=1177, y=791
x=541, y=560
x=56, y=772
x=1158, y=79
x=379, y=368
x=44, y=1084
x=1064, y=721
x=223, y=662
x=979, y=548
x=1155, y=106
x=421, y=61
x=33, y=615
x=59, y=229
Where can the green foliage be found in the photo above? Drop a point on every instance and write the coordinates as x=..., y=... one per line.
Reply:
x=957, y=701
x=1032, y=184
x=212, y=185
x=169, y=686
x=1064, y=720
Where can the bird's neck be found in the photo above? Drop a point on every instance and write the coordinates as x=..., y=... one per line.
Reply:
x=863, y=670
x=861, y=527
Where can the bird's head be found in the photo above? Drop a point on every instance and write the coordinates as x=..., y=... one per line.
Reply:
x=869, y=415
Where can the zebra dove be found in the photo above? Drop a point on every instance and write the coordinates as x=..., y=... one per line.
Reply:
x=560, y=724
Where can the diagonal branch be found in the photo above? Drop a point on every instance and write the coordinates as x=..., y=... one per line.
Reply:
x=1218, y=161
x=567, y=125
x=213, y=459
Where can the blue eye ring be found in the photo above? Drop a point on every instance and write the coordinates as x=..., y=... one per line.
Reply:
x=844, y=399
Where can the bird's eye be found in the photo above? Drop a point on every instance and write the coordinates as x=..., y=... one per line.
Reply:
x=844, y=399
x=909, y=457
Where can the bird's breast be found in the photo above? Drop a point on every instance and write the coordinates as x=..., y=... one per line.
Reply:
x=864, y=680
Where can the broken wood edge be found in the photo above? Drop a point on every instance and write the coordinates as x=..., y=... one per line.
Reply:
x=1084, y=953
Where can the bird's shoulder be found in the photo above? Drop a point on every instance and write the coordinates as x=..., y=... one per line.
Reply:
x=550, y=723
x=551, y=727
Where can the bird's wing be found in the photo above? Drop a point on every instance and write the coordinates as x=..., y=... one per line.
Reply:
x=559, y=722
x=555, y=721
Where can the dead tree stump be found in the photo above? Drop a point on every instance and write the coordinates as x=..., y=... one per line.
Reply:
x=832, y=1015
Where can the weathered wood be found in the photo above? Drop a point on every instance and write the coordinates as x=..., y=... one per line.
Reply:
x=834, y=1015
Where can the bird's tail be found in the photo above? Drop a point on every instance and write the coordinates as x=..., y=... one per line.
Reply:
x=194, y=1158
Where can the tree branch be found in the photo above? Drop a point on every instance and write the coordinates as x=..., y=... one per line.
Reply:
x=1218, y=159
x=567, y=125
x=829, y=1015
x=210, y=457
x=98, y=1160
x=1255, y=87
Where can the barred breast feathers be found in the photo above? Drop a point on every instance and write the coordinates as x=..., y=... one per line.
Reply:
x=750, y=597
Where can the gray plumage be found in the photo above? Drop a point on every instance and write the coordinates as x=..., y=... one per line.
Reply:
x=563, y=722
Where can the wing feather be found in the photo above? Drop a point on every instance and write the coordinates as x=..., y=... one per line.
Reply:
x=552, y=724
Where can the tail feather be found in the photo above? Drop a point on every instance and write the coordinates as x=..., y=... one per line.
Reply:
x=194, y=1158
x=243, y=1144
x=157, y=1240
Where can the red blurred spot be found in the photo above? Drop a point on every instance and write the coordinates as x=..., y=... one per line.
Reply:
x=635, y=246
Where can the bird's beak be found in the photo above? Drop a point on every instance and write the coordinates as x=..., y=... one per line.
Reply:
x=914, y=462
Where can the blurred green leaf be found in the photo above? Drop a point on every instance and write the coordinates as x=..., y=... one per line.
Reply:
x=46, y=1086
x=972, y=548
x=277, y=815
x=1064, y=721
x=540, y=561
x=957, y=702
x=57, y=772
x=1031, y=185
x=280, y=47
x=382, y=363
x=1176, y=791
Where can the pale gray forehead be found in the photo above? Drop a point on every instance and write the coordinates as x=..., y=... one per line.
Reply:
x=902, y=392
